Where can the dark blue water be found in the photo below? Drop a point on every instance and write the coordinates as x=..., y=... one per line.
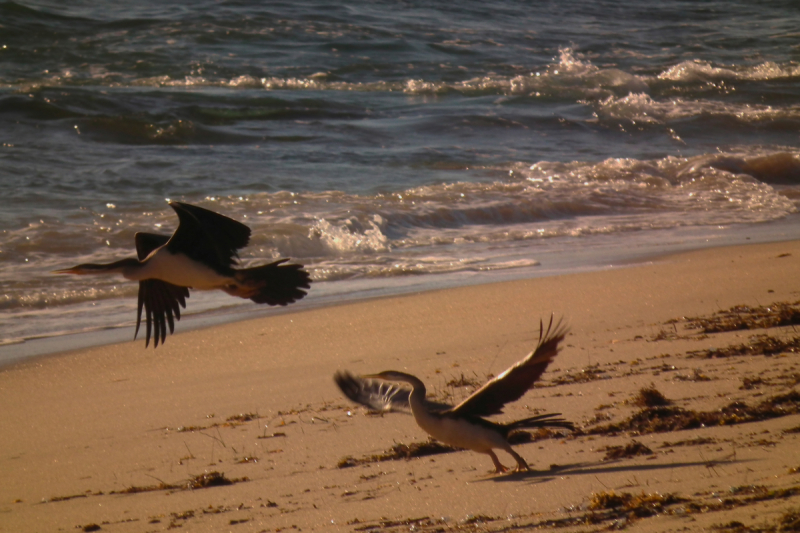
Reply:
x=387, y=144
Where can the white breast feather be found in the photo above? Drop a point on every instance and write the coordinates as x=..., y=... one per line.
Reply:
x=180, y=270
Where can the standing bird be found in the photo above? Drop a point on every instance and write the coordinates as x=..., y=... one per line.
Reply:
x=201, y=254
x=463, y=426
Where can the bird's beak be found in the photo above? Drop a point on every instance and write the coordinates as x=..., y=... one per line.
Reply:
x=73, y=270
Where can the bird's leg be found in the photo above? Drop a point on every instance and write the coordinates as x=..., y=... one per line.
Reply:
x=498, y=466
x=522, y=466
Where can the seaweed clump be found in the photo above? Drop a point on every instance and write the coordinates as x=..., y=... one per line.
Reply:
x=632, y=449
x=790, y=521
x=210, y=479
x=399, y=451
x=202, y=481
x=611, y=505
x=741, y=317
x=650, y=397
x=671, y=418
x=744, y=495
x=759, y=345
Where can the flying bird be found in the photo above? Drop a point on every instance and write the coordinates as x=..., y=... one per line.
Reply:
x=202, y=255
x=463, y=426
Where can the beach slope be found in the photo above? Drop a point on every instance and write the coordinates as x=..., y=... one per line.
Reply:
x=240, y=427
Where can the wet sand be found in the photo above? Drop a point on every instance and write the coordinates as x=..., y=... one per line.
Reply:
x=112, y=437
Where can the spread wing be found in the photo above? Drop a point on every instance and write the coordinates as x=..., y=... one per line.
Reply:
x=208, y=237
x=379, y=395
x=514, y=382
x=161, y=300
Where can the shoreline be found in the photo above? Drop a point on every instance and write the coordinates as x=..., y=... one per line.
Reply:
x=552, y=263
x=110, y=435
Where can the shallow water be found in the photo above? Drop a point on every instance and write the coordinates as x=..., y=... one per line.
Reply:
x=388, y=147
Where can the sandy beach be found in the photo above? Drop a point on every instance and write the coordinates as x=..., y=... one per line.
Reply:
x=240, y=427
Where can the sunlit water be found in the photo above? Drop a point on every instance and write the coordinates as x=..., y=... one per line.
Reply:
x=389, y=147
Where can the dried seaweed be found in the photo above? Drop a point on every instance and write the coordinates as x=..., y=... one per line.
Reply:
x=669, y=418
x=742, y=317
x=399, y=451
x=243, y=417
x=734, y=526
x=202, y=481
x=65, y=498
x=432, y=447
x=758, y=345
x=612, y=511
x=211, y=479
x=790, y=521
x=752, y=383
x=632, y=449
x=650, y=397
x=751, y=494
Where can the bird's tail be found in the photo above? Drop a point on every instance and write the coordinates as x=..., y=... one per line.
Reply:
x=274, y=284
x=542, y=421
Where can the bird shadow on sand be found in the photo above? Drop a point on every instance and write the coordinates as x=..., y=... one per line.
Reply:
x=542, y=476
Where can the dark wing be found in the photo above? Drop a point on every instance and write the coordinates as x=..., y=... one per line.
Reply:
x=147, y=242
x=514, y=382
x=161, y=300
x=379, y=395
x=208, y=237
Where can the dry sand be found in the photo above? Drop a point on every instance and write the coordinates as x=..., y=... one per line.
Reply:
x=81, y=431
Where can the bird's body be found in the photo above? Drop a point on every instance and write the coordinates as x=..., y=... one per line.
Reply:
x=476, y=434
x=463, y=426
x=202, y=255
x=175, y=268
x=179, y=269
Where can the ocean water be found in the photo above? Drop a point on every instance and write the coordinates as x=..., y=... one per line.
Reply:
x=388, y=146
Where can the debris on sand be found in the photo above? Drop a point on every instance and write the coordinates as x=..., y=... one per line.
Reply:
x=201, y=481
x=759, y=345
x=632, y=449
x=650, y=397
x=399, y=451
x=586, y=374
x=741, y=317
x=670, y=418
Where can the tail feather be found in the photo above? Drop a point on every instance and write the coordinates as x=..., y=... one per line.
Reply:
x=276, y=283
x=542, y=421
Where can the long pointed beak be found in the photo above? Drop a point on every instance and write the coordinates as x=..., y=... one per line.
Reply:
x=73, y=270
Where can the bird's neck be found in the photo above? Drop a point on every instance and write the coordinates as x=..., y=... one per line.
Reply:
x=417, y=397
x=416, y=400
x=127, y=267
